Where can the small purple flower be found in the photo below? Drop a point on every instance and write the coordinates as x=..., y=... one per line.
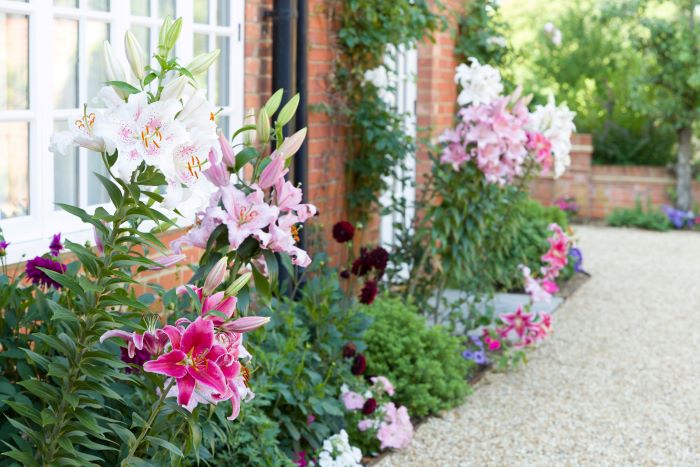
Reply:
x=678, y=218
x=39, y=277
x=3, y=247
x=56, y=246
x=140, y=357
x=480, y=358
x=468, y=355
x=577, y=256
x=477, y=342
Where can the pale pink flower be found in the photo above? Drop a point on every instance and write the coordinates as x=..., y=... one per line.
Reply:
x=534, y=288
x=353, y=400
x=396, y=430
x=273, y=172
x=384, y=383
x=247, y=215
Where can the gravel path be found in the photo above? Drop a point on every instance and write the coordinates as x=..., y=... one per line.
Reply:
x=617, y=384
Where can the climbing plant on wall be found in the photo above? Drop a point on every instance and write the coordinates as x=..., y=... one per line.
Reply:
x=377, y=140
x=481, y=33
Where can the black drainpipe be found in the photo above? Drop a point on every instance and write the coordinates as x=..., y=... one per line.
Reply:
x=301, y=121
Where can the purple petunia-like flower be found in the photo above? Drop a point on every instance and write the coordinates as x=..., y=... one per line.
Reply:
x=56, y=246
x=3, y=247
x=577, y=256
x=679, y=218
x=39, y=277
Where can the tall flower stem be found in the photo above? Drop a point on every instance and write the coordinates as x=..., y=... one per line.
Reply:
x=146, y=428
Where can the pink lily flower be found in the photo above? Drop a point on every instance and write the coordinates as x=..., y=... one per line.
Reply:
x=246, y=324
x=288, y=198
x=247, y=215
x=517, y=322
x=152, y=341
x=226, y=151
x=193, y=360
x=273, y=172
x=218, y=301
x=217, y=172
x=215, y=277
x=165, y=262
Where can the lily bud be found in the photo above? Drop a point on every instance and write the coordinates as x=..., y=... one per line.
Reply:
x=215, y=276
x=238, y=284
x=226, y=151
x=272, y=172
x=291, y=144
x=114, y=69
x=249, y=135
x=202, y=62
x=135, y=55
x=172, y=34
x=162, y=33
x=164, y=262
x=246, y=324
x=217, y=173
x=175, y=88
x=263, y=126
x=288, y=110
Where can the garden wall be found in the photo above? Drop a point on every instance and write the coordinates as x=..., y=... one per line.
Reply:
x=599, y=189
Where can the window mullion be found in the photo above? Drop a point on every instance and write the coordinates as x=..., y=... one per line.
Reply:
x=185, y=46
x=82, y=99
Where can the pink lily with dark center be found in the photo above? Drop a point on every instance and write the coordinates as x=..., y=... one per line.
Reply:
x=152, y=341
x=193, y=360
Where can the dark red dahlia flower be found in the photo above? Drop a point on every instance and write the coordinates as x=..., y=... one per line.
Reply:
x=369, y=292
x=370, y=406
x=378, y=259
x=359, y=365
x=343, y=231
x=349, y=350
x=39, y=277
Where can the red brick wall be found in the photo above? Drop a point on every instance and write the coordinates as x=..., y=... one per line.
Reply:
x=599, y=189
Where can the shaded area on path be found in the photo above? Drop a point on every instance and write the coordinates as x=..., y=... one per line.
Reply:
x=618, y=383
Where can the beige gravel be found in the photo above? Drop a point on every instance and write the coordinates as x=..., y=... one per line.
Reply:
x=617, y=384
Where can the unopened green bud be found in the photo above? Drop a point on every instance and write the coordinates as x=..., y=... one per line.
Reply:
x=263, y=126
x=238, y=284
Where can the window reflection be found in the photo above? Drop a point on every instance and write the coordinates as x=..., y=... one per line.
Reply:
x=14, y=169
x=14, y=61
x=65, y=64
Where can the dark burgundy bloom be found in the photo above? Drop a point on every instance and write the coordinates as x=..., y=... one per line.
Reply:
x=349, y=350
x=378, y=259
x=369, y=292
x=3, y=247
x=361, y=265
x=359, y=365
x=56, y=246
x=37, y=276
x=343, y=231
x=345, y=274
x=140, y=357
x=370, y=406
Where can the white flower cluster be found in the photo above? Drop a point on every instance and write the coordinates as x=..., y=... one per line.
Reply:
x=481, y=84
x=553, y=33
x=556, y=123
x=498, y=41
x=175, y=133
x=337, y=452
x=379, y=78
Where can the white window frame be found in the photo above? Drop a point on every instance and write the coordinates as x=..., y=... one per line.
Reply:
x=29, y=235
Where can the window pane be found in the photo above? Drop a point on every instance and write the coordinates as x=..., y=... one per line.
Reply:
x=65, y=64
x=14, y=169
x=166, y=8
x=223, y=12
x=66, y=3
x=141, y=7
x=96, y=192
x=96, y=33
x=225, y=124
x=65, y=173
x=102, y=5
x=14, y=61
x=143, y=36
x=220, y=94
x=201, y=44
x=201, y=11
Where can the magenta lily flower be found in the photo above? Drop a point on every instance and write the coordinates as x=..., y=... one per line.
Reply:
x=218, y=301
x=246, y=324
x=273, y=172
x=193, y=360
x=151, y=341
x=519, y=323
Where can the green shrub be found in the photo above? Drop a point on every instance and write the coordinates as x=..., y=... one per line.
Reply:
x=424, y=363
x=649, y=218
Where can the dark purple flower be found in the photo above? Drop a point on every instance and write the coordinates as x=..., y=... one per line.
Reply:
x=369, y=292
x=577, y=257
x=679, y=218
x=349, y=350
x=140, y=357
x=378, y=259
x=345, y=274
x=343, y=231
x=370, y=406
x=39, y=277
x=359, y=365
x=56, y=246
x=3, y=247
x=361, y=265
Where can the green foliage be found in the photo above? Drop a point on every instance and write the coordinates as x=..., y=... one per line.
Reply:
x=377, y=140
x=595, y=71
x=481, y=33
x=649, y=218
x=299, y=359
x=424, y=363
